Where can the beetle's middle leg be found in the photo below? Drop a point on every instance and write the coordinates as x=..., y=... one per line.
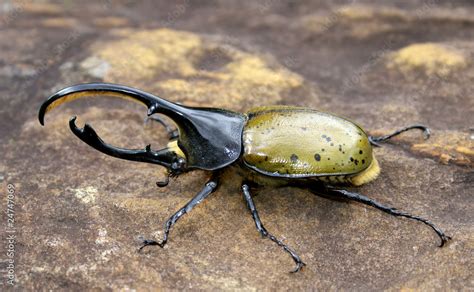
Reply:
x=210, y=187
x=387, y=209
x=250, y=204
x=375, y=140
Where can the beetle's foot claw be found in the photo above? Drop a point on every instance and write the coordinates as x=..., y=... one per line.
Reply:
x=444, y=239
x=426, y=133
x=299, y=266
x=162, y=244
x=147, y=242
x=163, y=183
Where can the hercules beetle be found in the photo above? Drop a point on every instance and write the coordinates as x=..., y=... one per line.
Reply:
x=271, y=145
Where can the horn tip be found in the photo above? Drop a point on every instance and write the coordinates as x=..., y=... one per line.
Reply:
x=41, y=114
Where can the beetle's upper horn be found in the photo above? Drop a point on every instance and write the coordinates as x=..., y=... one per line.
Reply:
x=100, y=89
x=210, y=138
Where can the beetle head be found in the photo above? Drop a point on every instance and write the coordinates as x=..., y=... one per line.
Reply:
x=209, y=138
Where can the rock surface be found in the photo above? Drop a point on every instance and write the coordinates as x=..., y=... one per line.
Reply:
x=384, y=64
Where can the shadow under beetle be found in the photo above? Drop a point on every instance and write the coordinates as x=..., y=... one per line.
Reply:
x=272, y=145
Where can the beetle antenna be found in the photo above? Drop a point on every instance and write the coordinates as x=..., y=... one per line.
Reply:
x=374, y=140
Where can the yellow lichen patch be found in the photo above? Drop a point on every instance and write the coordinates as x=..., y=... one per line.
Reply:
x=86, y=195
x=363, y=12
x=138, y=55
x=446, y=146
x=428, y=57
x=247, y=77
x=356, y=12
x=110, y=21
x=42, y=8
x=454, y=152
x=360, y=21
x=60, y=22
x=404, y=289
x=181, y=66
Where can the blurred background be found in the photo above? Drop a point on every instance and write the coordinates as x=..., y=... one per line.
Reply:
x=383, y=64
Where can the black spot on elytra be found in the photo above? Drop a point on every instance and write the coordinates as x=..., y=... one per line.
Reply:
x=324, y=136
x=294, y=157
x=266, y=158
x=356, y=162
x=332, y=144
x=329, y=158
x=360, y=152
x=352, y=159
x=317, y=157
x=322, y=149
x=304, y=128
x=363, y=161
x=329, y=140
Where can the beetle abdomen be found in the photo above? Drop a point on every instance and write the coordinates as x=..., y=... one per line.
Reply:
x=295, y=142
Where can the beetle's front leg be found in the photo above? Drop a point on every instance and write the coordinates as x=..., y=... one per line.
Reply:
x=210, y=187
x=390, y=210
x=375, y=140
x=250, y=204
x=172, y=133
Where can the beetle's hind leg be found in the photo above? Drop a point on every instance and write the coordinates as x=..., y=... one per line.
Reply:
x=210, y=187
x=172, y=132
x=375, y=140
x=387, y=209
x=250, y=204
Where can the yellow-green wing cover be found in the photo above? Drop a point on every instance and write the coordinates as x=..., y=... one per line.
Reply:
x=300, y=142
